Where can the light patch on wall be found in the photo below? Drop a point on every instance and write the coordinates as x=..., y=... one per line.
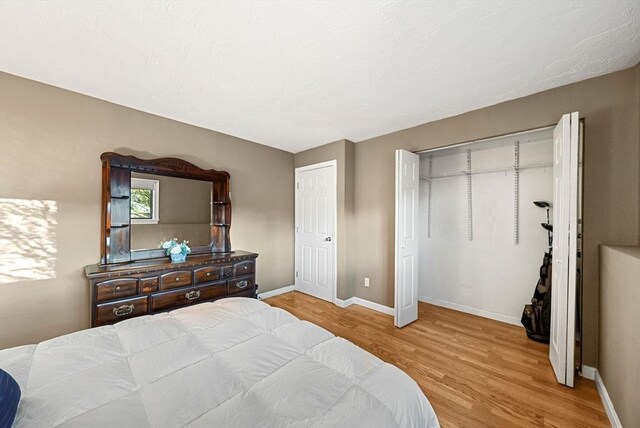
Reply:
x=27, y=240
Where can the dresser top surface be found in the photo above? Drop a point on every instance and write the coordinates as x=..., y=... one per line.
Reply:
x=194, y=260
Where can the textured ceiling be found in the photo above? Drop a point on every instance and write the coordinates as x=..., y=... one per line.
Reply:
x=295, y=75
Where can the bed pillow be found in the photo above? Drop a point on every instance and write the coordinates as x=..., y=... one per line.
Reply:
x=9, y=399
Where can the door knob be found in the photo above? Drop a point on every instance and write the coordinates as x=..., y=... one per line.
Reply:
x=328, y=238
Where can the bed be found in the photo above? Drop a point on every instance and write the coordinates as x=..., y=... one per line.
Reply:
x=236, y=362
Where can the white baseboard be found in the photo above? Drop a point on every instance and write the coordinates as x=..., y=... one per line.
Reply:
x=470, y=310
x=365, y=303
x=343, y=303
x=373, y=305
x=275, y=292
x=589, y=372
x=606, y=401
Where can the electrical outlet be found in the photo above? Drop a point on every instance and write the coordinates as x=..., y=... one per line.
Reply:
x=366, y=282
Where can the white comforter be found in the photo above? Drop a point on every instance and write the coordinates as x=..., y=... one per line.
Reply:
x=233, y=363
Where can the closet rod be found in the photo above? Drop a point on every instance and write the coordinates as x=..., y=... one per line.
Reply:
x=521, y=167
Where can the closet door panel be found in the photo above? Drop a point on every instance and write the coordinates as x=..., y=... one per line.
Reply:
x=406, y=265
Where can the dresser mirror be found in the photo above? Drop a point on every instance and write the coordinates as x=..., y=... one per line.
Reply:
x=146, y=201
x=169, y=207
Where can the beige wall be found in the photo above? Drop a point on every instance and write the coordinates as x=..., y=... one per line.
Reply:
x=637, y=69
x=619, y=362
x=611, y=198
x=343, y=152
x=50, y=176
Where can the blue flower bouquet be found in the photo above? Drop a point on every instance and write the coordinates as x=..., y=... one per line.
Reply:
x=178, y=252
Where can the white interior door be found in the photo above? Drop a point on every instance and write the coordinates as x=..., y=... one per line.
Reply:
x=315, y=230
x=565, y=224
x=406, y=263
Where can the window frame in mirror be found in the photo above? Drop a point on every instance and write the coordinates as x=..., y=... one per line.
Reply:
x=153, y=186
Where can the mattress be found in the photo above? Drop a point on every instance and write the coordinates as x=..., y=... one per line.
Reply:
x=236, y=362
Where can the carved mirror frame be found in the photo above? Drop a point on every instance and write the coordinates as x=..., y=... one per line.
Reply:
x=115, y=242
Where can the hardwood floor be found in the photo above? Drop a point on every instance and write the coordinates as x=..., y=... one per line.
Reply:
x=476, y=372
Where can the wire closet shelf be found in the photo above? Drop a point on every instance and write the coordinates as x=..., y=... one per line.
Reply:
x=516, y=168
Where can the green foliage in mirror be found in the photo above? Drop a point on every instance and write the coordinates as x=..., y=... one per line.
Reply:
x=141, y=203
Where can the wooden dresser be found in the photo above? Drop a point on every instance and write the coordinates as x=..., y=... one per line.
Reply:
x=139, y=288
x=130, y=282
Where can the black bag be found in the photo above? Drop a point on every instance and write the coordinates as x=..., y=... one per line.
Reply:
x=536, y=317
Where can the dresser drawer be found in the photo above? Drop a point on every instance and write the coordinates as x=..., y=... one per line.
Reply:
x=244, y=268
x=115, y=289
x=148, y=285
x=188, y=296
x=178, y=278
x=207, y=274
x=109, y=313
x=238, y=285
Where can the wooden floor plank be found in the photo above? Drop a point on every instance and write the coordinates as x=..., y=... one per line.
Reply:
x=475, y=371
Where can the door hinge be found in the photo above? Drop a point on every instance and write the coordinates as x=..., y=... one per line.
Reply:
x=298, y=185
x=296, y=274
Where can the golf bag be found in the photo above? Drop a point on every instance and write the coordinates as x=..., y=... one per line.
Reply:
x=536, y=317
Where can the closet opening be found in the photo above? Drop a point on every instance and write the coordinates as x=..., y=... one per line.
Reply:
x=472, y=230
x=480, y=237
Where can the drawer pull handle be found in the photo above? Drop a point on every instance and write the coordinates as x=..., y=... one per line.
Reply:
x=123, y=310
x=242, y=284
x=117, y=288
x=208, y=273
x=192, y=295
x=178, y=278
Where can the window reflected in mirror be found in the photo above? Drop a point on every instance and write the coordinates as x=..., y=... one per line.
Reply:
x=145, y=195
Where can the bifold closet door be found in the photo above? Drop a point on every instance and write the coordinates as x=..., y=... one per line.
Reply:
x=565, y=233
x=406, y=260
